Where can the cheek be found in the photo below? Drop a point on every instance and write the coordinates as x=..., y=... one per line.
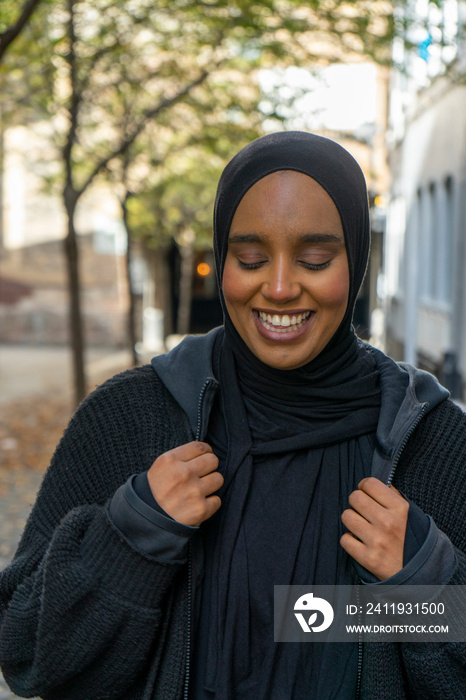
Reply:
x=334, y=292
x=235, y=288
x=340, y=292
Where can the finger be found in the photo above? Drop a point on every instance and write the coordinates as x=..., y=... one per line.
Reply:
x=395, y=490
x=213, y=503
x=211, y=483
x=353, y=547
x=203, y=465
x=380, y=492
x=191, y=450
x=363, y=504
x=357, y=525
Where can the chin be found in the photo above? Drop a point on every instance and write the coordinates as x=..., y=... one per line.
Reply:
x=286, y=362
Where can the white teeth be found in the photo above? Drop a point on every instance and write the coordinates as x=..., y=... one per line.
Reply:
x=283, y=324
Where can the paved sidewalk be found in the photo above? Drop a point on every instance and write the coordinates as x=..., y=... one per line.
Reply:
x=34, y=383
x=26, y=370
x=17, y=494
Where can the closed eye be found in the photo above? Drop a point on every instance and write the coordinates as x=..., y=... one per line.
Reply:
x=315, y=266
x=307, y=265
x=250, y=266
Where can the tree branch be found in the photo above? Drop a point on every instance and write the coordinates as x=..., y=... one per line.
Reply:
x=75, y=99
x=12, y=32
x=149, y=114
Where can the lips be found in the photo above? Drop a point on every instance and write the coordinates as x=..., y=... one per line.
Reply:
x=283, y=323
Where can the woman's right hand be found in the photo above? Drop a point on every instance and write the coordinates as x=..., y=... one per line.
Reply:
x=183, y=480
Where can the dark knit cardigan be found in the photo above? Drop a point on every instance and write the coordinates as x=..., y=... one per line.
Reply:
x=84, y=616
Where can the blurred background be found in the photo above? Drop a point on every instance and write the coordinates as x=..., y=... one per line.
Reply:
x=116, y=120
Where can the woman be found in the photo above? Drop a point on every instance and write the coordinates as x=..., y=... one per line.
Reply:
x=259, y=454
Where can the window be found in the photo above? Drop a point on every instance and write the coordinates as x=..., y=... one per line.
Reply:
x=435, y=206
x=446, y=242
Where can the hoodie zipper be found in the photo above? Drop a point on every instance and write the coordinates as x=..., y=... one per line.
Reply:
x=189, y=623
x=411, y=430
x=391, y=476
x=360, y=649
x=199, y=408
x=190, y=564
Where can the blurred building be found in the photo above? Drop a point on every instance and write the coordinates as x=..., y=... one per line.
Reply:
x=33, y=280
x=425, y=247
x=361, y=128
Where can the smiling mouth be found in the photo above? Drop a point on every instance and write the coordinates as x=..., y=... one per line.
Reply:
x=283, y=323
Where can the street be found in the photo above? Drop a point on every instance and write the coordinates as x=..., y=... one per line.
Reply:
x=35, y=406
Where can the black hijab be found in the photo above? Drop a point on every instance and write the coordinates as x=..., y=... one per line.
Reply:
x=338, y=389
x=292, y=445
x=328, y=164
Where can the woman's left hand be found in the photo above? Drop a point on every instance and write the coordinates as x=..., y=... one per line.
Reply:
x=377, y=526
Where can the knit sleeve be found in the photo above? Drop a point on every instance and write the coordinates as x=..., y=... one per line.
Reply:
x=433, y=474
x=83, y=613
x=438, y=670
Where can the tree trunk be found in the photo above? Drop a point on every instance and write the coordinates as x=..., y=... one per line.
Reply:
x=74, y=288
x=186, y=289
x=163, y=289
x=2, y=166
x=131, y=325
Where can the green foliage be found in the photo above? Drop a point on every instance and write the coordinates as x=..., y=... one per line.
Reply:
x=163, y=85
x=8, y=14
x=180, y=195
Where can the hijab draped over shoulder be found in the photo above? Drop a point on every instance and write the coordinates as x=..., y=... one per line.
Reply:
x=292, y=445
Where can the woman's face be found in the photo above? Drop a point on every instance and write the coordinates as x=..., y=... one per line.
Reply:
x=286, y=277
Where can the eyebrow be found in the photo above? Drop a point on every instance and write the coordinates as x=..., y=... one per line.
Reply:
x=306, y=238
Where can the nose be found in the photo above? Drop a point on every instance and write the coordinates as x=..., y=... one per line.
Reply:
x=281, y=284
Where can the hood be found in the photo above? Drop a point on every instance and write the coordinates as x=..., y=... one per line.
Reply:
x=185, y=371
x=408, y=394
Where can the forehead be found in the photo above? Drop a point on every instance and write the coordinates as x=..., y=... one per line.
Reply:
x=289, y=201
